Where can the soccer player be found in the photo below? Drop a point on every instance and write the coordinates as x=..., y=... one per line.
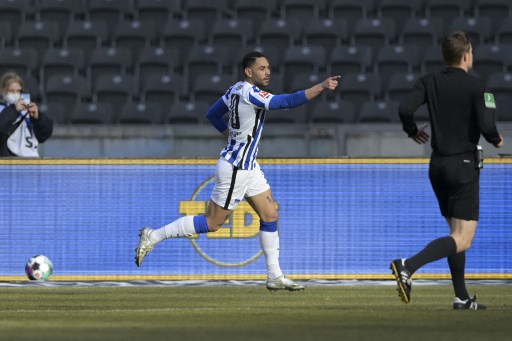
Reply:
x=460, y=111
x=238, y=174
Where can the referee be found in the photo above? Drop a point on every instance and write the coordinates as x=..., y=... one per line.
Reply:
x=460, y=111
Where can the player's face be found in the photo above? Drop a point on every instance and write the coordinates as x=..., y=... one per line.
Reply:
x=260, y=72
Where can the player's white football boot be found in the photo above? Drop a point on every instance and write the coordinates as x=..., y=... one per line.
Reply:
x=283, y=283
x=145, y=245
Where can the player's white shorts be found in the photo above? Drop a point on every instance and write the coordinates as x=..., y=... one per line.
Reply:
x=232, y=185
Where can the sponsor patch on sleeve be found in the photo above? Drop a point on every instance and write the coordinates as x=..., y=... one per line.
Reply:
x=264, y=94
x=489, y=100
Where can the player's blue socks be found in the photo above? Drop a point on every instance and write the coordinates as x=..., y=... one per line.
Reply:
x=268, y=226
x=200, y=224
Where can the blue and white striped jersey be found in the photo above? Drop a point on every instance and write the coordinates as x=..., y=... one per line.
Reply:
x=247, y=106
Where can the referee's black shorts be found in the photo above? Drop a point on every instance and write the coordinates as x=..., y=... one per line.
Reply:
x=456, y=183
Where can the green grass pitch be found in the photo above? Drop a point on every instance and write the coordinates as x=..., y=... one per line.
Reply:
x=250, y=313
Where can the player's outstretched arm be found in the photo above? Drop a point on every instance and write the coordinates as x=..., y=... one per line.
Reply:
x=329, y=84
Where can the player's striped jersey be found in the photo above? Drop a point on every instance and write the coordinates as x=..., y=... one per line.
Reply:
x=247, y=106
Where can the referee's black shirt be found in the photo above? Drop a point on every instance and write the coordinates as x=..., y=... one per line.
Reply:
x=457, y=109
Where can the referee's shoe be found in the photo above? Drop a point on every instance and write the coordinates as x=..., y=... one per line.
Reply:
x=403, y=279
x=469, y=304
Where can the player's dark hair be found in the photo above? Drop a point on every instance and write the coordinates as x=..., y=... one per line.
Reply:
x=454, y=46
x=250, y=58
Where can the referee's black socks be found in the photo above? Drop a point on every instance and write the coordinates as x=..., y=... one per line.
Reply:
x=435, y=250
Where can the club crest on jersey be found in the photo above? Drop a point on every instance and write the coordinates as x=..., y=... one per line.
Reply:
x=264, y=94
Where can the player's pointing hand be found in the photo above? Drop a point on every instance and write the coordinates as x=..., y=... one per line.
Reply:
x=331, y=83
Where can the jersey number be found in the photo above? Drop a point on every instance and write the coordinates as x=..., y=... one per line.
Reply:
x=234, y=118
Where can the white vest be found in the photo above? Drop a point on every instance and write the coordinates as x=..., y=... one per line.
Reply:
x=23, y=141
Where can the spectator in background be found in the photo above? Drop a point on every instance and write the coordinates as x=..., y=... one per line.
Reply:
x=22, y=125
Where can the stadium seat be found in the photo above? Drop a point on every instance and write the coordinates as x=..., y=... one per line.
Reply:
x=500, y=85
x=59, y=11
x=56, y=111
x=303, y=59
x=86, y=35
x=302, y=10
x=350, y=59
x=204, y=60
x=38, y=35
x=424, y=32
x=157, y=11
x=399, y=85
x=109, y=11
x=479, y=29
x=374, y=32
x=278, y=32
x=326, y=33
x=360, y=88
x=134, y=35
x=230, y=33
x=115, y=89
x=66, y=90
x=504, y=32
x=164, y=90
x=298, y=115
x=23, y=61
x=15, y=12
x=140, y=113
x=92, y=113
x=156, y=61
x=432, y=59
x=392, y=59
x=61, y=61
x=351, y=10
x=399, y=10
x=183, y=35
x=255, y=11
x=206, y=11
x=494, y=10
x=187, y=112
x=332, y=112
x=210, y=87
x=379, y=112
x=109, y=61
x=489, y=59
x=5, y=34
x=447, y=10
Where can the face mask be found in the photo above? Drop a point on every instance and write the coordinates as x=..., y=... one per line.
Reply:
x=12, y=98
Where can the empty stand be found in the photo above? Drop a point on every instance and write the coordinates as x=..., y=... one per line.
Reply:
x=187, y=112
x=379, y=112
x=326, y=33
x=500, y=85
x=350, y=60
x=393, y=59
x=115, y=90
x=66, y=90
x=61, y=62
x=92, y=113
x=140, y=113
x=134, y=35
x=332, y=112
x=210, y=87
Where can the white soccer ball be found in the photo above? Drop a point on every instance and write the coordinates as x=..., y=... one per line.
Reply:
x=39, y=268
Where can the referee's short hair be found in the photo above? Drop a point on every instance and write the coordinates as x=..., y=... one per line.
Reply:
x=454, y=46
x=250, y=58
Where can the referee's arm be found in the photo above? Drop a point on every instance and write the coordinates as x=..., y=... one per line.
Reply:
x=486, y=120
x=409, y=106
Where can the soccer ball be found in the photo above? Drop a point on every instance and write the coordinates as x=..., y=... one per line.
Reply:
x=39, y=268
